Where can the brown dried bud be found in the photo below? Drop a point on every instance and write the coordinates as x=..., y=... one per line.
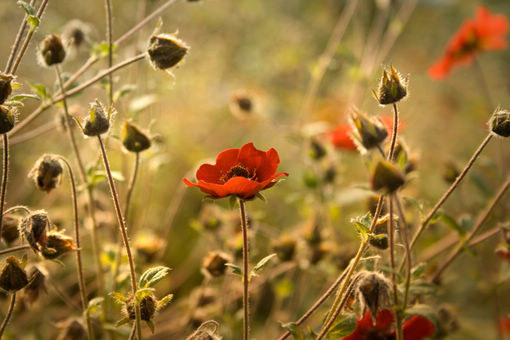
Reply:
x=404, y=158
x=71, y=329
x=7, y=119
x=133, y=138
x=46, y=172
x=12, y=276
x=57, y=244
x=10, y=231
x=35, y=228
x=166, y=50
x=149, y=245
x=450, y=172
x=313, y=235
x=52, y=50
x=214, y=263
x=76, y=32
x=36, y=280
x=380, y=237
x=241, y=104
x=5, y=86
x=285, y=247
x=373, y=292
x=369, y=132
x=371, y=204
x=329, y=175
x=392, y=87
x=387, y=177
x=98, y=121
x=147, y=307
x=500, y=123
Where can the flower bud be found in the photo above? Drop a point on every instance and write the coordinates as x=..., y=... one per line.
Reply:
x=369, y=132
x=392, y=87
x=380, y=237
x=35, y=228
x=313, y=235
x=7, y=119
x=450, y=172
x=386, y=177
x=10, y=231
x=373, y=292
x=371, y=204
x=5, y=87
x=36, y=280
x=133, y=138
x=147, y=307
x=12, y=276
x=98, y=121
x=71, y=329
x=317, y=150
x=242, y=104
x=500, y=123
x=149, y=245
x=76, y=32
x=46, y=172
x=214, y=263
x=329, y=175
x=57, y=244
x=285, y=247
x=166, y=50
x=52, y=50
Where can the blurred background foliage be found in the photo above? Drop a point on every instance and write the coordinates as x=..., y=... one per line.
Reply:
x=270, y=50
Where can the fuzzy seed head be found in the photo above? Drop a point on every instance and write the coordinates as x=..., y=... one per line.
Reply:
x=12, y=275
x=285, y=247
x=500, y=123
x=368, y=132
x=10, y=231
x=98, y=121
x=166, y=50
x=392, y=87
x=46, y=172
x=35, y=228
x=386, y=177
x=133, y=138
x=57, y=244
x=147, y=307
x=52, y=50
x=5, y=86
x=373, y=292
x=7, y=119
x=214, y=263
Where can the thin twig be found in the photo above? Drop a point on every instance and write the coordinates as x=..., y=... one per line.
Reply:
x=13, y=249
x=109, y=38
x=246, y=297
x=391, y=238
x=5, y=172
x=8, y=315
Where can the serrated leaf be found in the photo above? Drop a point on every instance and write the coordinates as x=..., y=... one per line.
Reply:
x=235, y=269
x=343, y=327
x=262, y=263
x=153, y=275
x=118, y=297
x=23, y=96
x=29, y=10
x=164, y=301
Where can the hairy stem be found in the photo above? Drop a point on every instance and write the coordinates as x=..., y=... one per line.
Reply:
x=403, y=229
x=17, y=41
x=8, y=315
x=79, y=265
x=246, y=282
x=479, y=222
x=123, y=232
x=109, y=38
x=5, y=172
x=391, y=237
x=13, y=249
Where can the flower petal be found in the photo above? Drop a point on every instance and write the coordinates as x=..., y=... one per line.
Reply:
x=250, y=157
x=227, y=159
x=208, y=173
x=418, y=328
x=268, y=166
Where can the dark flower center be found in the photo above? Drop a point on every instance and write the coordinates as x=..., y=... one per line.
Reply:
x=238, y=171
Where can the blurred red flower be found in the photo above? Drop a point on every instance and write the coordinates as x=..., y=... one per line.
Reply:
x=485, y=32
x=504, y=324
x=242, y=172
x=416, y=328
x=341, y=136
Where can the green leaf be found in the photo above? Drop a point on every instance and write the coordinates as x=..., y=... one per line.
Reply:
x=122, y=321
x=235, y=269
x=153, y=275
x=142, y=293
x=417, y=271
x=29, y=10
x=423, y=310
x=449, y=221
x=422, y=287
x=262, y=263
x=151, y=325
x=33, y=21
x=94, y=304
x=343, y=327
x=23, y=96
x=39, y=89
x=164, y=301
x=362, y=224
x=294, y=330
x=101, y=50
x=118, y=297
x=414, y=202
x=260, y=196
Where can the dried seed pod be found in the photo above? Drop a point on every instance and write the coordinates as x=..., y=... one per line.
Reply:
x=52, y=50
x=373, y=292
x=98, y=121
x=206, y=331
x=5, y=86
x=12, y=275
x=57, y=244
x=35, y=228
x=10, y=231
x=214, y=263
x=148, y=307
x=133, y=138
x=500, y=123
x=7, y=119
x=46, y=172
x=166, y=50
x=76, y=32
x=387, y=177
x=368, y=132
x=392, y=87
x=36, y=283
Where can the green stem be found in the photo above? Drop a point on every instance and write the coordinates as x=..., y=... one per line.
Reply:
x=391, y=236
x=17, y=41
x=79, y=265
x=8, y=315
x=4, y=178
x=246, y=281
x=123, y=232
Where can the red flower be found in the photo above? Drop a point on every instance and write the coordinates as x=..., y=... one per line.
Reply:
x=503, y=251
x=485, y=32
x=416, y=328
x=504, y=324
x=341, y=136
x=242, y=172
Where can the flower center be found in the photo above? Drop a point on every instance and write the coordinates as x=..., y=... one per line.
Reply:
x=238, y=171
